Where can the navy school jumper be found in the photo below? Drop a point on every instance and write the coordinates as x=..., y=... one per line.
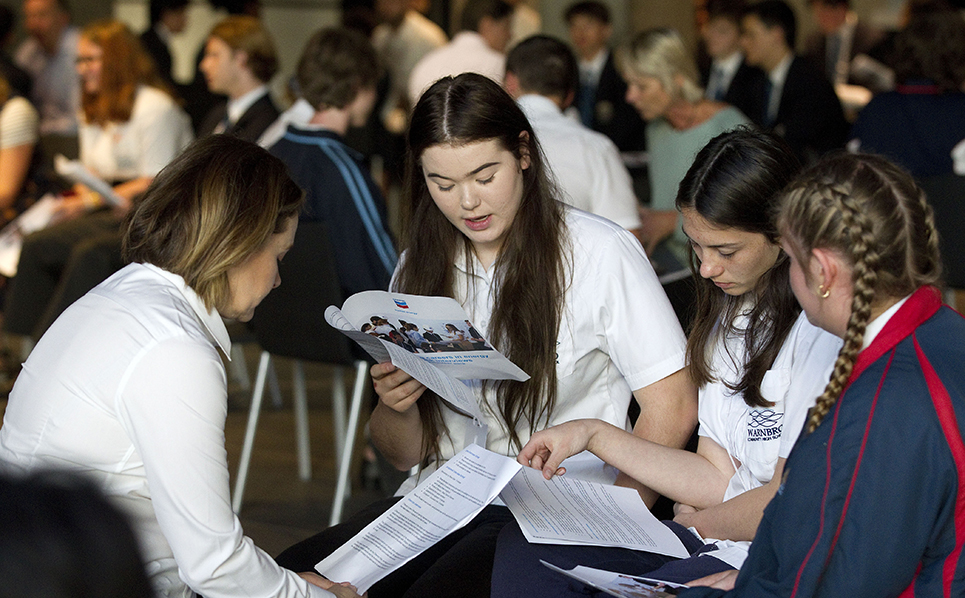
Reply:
x=873, y=501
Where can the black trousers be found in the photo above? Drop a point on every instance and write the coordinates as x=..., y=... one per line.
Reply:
x=460, y=565
x=58, y=265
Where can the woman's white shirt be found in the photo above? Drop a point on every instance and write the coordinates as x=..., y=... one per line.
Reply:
x=618, y=333
x=154, y=135
x=127, y=387
x=755, y=437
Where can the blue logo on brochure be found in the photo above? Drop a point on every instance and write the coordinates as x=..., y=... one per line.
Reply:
x=401, y=303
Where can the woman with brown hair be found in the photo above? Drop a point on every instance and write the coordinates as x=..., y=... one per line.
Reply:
x=128, y=386
x=567, y=296
x=131, y=127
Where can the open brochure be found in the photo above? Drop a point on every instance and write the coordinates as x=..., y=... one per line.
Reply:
x=619, y=584
x=456, y=492
x=430, y=338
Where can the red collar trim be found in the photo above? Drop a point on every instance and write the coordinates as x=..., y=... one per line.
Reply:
x=922, y=304
x=925, y=89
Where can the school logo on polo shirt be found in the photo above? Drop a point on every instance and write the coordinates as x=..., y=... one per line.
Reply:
x=764, y=424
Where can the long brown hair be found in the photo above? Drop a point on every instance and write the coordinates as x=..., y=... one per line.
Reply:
x=125, y=67
x=735, y=182
x=872, y=213
x=530, y=269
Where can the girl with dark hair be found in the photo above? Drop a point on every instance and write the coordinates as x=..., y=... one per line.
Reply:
x=881, y=462
x=758, y=363
x=567, y=296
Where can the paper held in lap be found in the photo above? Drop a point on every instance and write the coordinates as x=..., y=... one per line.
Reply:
x=430, y=338
x=44, y=212
x=559, y=511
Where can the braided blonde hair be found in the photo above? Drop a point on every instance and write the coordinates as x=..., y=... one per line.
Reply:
x=870, y=212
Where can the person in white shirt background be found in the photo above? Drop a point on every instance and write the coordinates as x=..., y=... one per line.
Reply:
x=541, y=74
x=128, y=388
x=485, y=29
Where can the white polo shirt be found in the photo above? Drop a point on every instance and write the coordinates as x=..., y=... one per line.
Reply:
x=618, y=333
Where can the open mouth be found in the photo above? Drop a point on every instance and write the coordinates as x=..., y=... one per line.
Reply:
x=480, y=223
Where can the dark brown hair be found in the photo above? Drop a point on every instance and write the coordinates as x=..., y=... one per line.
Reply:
x=335, y=65
x=209, y=210
x=125, y=67
x=932, y=48
x=530, y=269
x=735, y=182
x=870, y=212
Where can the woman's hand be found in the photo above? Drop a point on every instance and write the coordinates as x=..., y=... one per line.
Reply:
x=656, y=225
x=721, y=581
x=548, y=448
x=396, y=389
x=342, y=590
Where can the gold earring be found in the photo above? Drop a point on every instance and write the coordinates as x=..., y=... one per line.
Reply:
x=823, y=292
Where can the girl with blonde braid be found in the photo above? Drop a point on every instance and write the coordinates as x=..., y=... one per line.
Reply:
x=873, y=499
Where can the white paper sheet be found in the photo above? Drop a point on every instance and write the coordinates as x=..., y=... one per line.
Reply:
x=565, y=510
x=74, y=171
x=619, y=584
x=443, y=503
x=33, y=219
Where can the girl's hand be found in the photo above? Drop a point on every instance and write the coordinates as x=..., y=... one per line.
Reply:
x=342, y=590
x=396, y=389
x=721, y=581
x=548, y=448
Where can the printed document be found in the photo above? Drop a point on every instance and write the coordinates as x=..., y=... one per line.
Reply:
x=561, y=511
x=447, y=500
x=565, y=510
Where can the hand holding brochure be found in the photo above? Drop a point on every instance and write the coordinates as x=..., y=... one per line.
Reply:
x=430, y=338
x=458, y=491
x=74, y=171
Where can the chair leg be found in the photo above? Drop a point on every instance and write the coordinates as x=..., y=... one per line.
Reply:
x=338, y=409
x=245, y=462
x=239, y=369
x=274, y=387
x=345, y=463
x=300, y=407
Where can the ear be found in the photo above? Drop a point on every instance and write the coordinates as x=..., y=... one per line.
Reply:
x=524, y=159
x=827, y=268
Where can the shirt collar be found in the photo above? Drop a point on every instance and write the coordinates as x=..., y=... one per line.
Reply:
x=779, y=73
x=729, y=65
x=878, y=324
x=210, y=319
x=591, y=69
x=238, y=106
x=534, y=105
